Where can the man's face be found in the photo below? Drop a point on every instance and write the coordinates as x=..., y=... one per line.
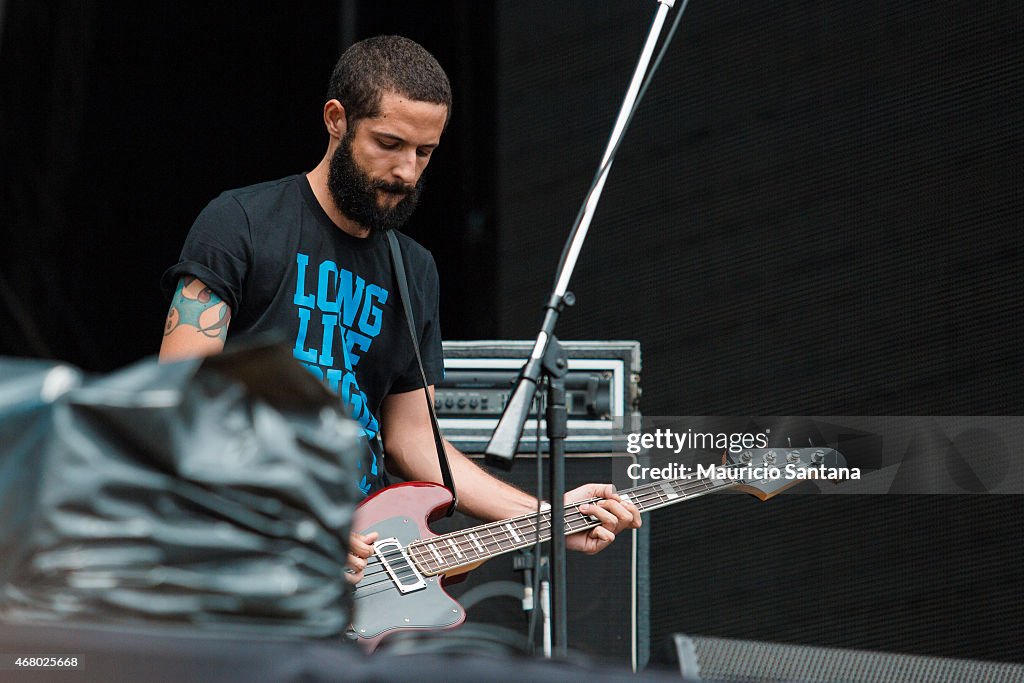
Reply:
x=376, y=172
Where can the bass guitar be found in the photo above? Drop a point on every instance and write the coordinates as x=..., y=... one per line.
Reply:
x=403, y=584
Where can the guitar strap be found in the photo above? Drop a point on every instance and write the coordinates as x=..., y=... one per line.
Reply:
x=403, y=290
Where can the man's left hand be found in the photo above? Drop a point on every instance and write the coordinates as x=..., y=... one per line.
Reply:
x=615, y=514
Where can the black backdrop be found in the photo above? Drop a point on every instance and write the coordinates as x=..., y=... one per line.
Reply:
x=817, y=211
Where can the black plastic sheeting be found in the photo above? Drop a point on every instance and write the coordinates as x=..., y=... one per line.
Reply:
x=216, y=495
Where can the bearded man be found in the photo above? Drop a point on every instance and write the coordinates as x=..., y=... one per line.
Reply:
x=306, y=256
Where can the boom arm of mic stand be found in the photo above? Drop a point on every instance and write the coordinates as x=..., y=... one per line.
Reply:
x=501, y=449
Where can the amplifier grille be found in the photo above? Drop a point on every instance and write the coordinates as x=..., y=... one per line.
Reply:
x=724, y=660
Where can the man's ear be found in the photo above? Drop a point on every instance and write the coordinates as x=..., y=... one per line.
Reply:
x=334, y=119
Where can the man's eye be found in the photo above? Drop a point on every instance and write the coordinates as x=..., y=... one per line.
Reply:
x=424, y=153
x=387, y=145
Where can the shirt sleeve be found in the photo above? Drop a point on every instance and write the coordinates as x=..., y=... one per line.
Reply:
x=218, y=251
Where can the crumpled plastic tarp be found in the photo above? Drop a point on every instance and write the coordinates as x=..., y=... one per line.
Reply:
x=213, y=494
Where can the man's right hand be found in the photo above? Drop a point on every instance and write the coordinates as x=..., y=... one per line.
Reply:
x=360, y=548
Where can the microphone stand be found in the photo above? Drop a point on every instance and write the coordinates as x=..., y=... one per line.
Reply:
x=549, y=360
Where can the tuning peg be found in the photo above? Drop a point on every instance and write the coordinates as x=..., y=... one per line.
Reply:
x=818, y=457
x=769, y=458
x=793, y=457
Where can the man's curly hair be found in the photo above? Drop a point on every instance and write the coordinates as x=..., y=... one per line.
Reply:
x=374, y=66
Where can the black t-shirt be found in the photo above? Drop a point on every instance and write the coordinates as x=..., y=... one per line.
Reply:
x=271, y=252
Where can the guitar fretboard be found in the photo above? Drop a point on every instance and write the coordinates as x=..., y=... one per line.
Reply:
x=440, y=554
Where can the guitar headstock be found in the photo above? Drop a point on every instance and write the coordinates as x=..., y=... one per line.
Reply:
x=765, y=472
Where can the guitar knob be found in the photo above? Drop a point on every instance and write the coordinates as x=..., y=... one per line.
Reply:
x=793, y=457
x=769, y=458
x=818, y=457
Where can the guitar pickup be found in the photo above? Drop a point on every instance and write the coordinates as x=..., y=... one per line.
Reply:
x=398, y=566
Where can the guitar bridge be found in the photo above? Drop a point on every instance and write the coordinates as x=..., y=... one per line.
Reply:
x=398, y=566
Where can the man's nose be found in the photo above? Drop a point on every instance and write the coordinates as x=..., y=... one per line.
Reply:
x=405, y=167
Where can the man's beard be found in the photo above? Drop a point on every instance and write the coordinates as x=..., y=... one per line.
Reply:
x=355, y=193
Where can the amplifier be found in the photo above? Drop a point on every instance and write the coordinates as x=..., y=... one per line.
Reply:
x=602, y=386
x=608, y=597
x=724, y=660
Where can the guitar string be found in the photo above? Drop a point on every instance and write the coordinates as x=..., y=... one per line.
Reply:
x=503, y=543
x=381, y=572
x=641, y=496
x=652, y=494
x=375, y=559
x=418, y=553
x=496, y=535
x=422, y=559
x=648, y=496
x=642, y=499
x=645, y=498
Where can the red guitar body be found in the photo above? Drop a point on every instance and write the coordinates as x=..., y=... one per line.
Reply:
x=392, y=595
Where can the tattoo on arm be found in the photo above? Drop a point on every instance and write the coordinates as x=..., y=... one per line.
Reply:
x=195, y=305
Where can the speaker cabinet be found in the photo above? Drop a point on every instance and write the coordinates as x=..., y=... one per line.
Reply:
x=607, y=592
x=723, y=660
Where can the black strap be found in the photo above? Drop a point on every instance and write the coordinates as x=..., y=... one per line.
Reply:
x=403, y=290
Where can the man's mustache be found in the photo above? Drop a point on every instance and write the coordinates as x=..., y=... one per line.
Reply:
x=395, y=188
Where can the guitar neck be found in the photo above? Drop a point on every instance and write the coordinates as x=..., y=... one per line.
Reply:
x=472, y=546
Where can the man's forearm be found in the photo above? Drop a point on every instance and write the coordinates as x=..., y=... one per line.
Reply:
x=481, y=495
x=484, y=496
